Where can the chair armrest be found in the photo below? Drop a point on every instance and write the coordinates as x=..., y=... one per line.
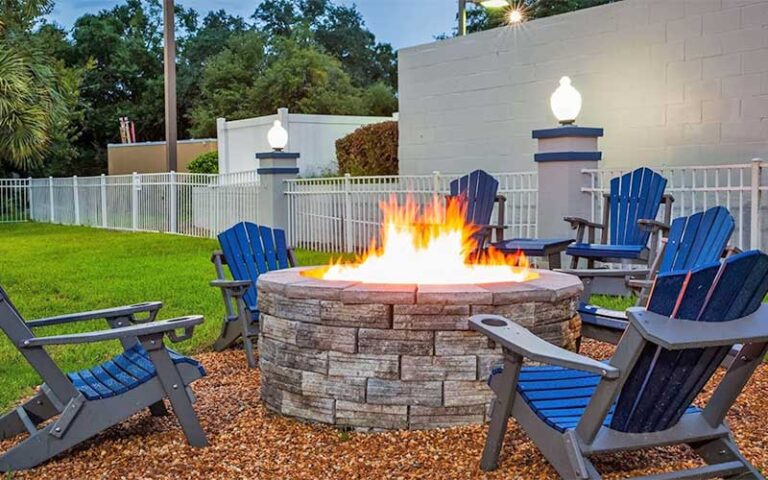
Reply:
x=218, y=255
x=677, y=334
x=519, y=340
x=235, y=287
x=108, y=313
x=652, y=225
x=576, y=221
x=638, y=283
x=168, y=327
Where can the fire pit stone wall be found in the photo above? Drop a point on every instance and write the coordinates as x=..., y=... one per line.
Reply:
x=395, y=356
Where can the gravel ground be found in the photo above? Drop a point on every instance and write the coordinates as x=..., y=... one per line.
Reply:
x=249, y=442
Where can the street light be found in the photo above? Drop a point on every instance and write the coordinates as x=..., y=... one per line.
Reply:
x=513, y=17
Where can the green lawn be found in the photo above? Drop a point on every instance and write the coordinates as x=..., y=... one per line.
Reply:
x=51, y=270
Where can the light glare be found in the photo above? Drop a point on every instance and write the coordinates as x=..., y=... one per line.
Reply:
x=514, y=16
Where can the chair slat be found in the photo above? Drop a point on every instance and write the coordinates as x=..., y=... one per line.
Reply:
x=268, y=242
x=663, y=383
x=282, y=248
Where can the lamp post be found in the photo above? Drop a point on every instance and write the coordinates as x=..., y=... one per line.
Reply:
x=169, y=68
x=516, y=16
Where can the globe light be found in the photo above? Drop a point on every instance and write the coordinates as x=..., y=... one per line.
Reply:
x=494, y=3
x=277, y=136
x=565, y=102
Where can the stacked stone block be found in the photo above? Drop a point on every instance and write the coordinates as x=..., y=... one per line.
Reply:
x=395, y=356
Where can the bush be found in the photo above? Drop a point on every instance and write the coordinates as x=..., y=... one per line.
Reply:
x=205, y=163
x=369, y=150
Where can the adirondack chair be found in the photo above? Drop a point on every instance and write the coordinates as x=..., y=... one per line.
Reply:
x=691, y=242
x=629, y=222
x=248, y=250
x=479, y=190
x=91, y=400
x=575, y=407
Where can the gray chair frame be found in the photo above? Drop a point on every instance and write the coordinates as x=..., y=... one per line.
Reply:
x=80, y=418
x=616, y=281
x=238, y=322
x=706, y=432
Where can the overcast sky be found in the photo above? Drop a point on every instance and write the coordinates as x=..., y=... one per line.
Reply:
x=403, y=23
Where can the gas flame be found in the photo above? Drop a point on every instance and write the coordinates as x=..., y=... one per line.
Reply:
x=429, y=245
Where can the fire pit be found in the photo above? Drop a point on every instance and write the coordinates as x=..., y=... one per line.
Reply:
x=383, y=343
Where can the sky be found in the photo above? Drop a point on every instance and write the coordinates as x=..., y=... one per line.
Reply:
x=403, y=23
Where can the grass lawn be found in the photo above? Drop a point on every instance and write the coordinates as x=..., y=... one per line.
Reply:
x=51, y=270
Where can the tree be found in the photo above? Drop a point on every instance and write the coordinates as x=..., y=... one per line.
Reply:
x=338, y=30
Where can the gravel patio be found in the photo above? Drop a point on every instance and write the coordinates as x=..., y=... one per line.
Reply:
x=247, y=441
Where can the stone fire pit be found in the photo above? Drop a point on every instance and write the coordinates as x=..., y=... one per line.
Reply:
x=373, y=356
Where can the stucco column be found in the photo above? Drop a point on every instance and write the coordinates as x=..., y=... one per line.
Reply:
x=562, y=154
x=274, y=168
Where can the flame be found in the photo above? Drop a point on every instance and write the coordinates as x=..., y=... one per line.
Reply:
x=430, y=245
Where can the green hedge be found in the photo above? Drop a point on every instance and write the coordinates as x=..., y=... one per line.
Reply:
x=369, y=150
x=205, y=163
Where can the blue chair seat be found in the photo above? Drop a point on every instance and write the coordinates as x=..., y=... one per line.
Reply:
x=602, y=317
x=559, y=395
x=593, y=250
x=122, y=373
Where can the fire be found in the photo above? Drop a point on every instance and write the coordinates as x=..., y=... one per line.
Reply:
x=430, y=245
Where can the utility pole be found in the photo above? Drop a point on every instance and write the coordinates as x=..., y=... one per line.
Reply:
x=169, y=65
x=462, y=17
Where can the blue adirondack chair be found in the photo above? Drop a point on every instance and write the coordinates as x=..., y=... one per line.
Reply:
x=479, y=190
x=248, y=250
x=70, y=408
x=629, y=231
x=576, y=407
x=691, y=242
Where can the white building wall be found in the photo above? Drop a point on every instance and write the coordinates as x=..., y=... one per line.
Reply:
x=673, y=82
x=313, y=136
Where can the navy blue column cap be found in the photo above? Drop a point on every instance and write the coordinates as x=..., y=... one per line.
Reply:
x=568, y=131
x=566, y=156
x=276, y=154
x=277, y=170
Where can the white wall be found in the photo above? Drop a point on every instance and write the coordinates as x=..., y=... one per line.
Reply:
x=313, y=136
x=673, y=82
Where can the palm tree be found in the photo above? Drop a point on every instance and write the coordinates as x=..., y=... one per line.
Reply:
x=30, y=107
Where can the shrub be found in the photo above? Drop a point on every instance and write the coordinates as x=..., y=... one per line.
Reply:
x=205, y=163
x=369, y=150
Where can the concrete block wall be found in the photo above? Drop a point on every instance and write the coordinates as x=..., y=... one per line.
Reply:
x=673, y=82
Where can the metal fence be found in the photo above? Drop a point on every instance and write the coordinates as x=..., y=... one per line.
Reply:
x=738, y=187
x=14, y=200
x=184, y=203
x=343, y=213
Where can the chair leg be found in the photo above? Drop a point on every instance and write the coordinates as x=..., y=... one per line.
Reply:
x=722, y=450
x=230, y=332
x=501, y=410
x=175, y=389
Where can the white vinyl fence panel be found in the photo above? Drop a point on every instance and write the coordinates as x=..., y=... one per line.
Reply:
x=738, y=187
x=344, y=213
x=193, y=204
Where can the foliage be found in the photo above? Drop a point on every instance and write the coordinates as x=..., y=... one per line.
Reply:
x=338, y=30
x=38, y=94
x=480, y=18
x=369, y=150
x=254, y=76
x=205, y=163
x=174, y=269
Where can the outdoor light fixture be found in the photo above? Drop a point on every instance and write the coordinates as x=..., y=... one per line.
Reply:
x=515, y=16
x=565, y=102
x=277, y=136
x=494, y=3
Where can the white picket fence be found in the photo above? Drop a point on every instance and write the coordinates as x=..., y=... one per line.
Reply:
x=738, y=187
x=344, y=214
x=183, y=203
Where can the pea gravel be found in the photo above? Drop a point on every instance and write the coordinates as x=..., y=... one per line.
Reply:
x=249, y=442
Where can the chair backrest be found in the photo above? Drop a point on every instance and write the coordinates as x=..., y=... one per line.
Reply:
x=664, y=383
x=478, y=189
x=634, y=196
x=697, y=240
x=251, y=250
x=16, y=329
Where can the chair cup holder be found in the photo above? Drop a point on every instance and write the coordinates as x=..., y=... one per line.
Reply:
x=493, y=322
